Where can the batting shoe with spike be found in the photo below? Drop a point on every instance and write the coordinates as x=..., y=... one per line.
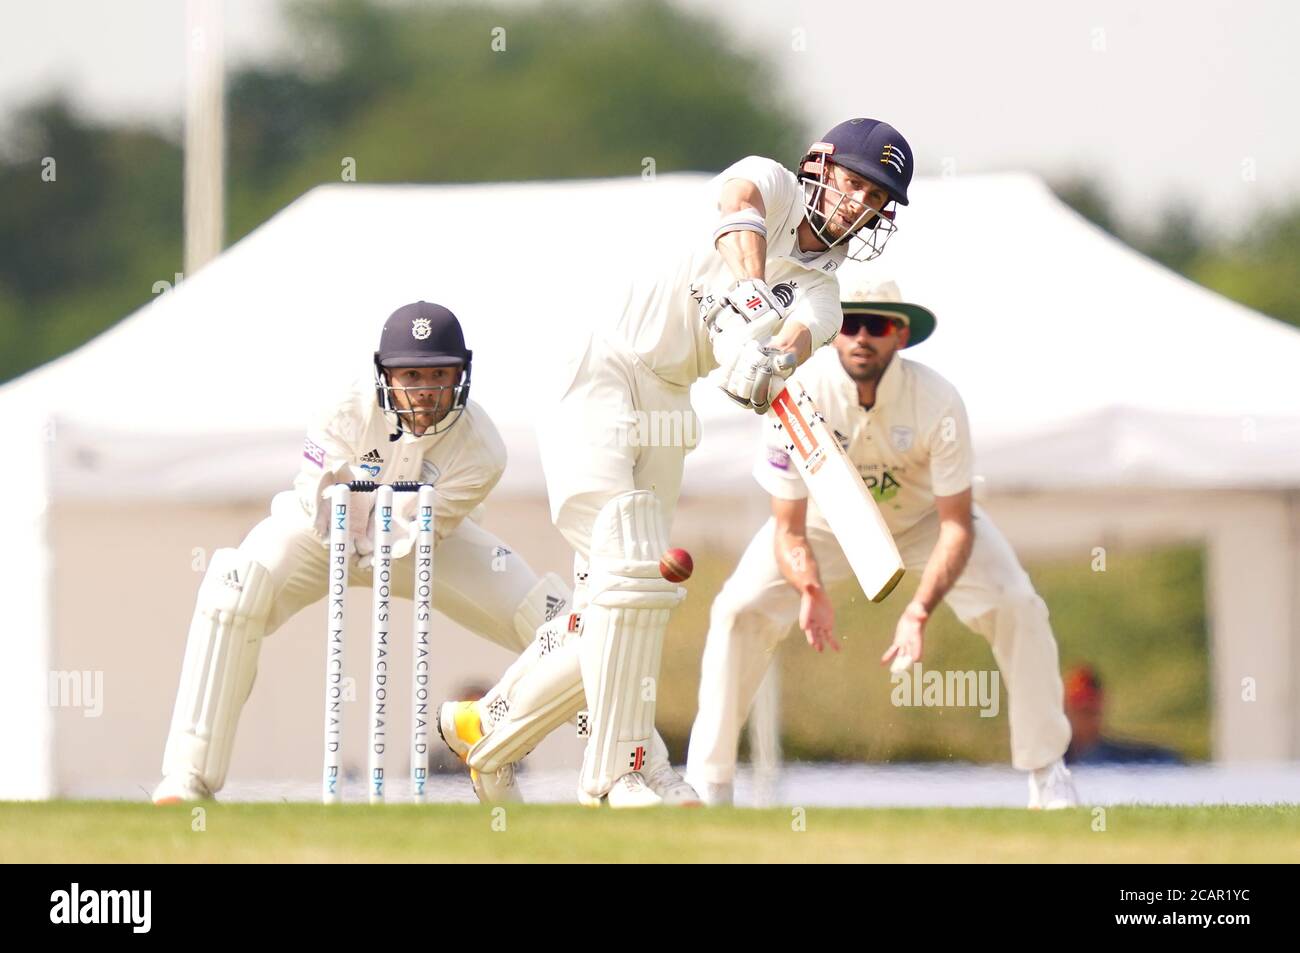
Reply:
x=180, y=788
x=663, y=779
x=1051, y=788
x=460, y=728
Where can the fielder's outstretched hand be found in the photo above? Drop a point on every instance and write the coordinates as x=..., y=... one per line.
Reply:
x=909, y=639
x=817, y=619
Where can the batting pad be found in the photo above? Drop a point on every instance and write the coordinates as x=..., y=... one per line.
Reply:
x=622, y=636
x=538, y=693
x=220, y=662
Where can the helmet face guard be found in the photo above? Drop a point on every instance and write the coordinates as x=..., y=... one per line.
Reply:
x=871, y=230
x=421, y=334
x=385, y=392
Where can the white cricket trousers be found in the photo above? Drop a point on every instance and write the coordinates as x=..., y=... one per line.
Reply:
x=477, y=581
x=757, y=608
x=617, y=427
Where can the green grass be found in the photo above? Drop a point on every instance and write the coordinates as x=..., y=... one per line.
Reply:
x=1141, y=623
x=115, y=832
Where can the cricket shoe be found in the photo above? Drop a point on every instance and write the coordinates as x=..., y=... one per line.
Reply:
x=722, y=794
x=1051, y=788
x=629, y=791
x=664, y=781
x=180, y=788
x=460, y=728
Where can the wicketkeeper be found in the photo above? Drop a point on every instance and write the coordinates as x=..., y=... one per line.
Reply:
x=408, y=419
x=905, y=429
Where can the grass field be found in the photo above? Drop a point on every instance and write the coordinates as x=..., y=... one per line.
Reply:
x=118, y=832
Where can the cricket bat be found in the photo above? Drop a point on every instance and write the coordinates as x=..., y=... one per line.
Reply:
x=844, y=500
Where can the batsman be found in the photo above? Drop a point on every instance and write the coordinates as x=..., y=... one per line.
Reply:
x=750, y=294
x=407, y=418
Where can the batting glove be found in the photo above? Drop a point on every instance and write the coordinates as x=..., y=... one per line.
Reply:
x=756, y=376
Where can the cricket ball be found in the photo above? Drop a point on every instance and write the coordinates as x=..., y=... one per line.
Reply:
x=676, y=565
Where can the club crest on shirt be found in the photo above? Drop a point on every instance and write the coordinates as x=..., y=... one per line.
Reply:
x=901, y=438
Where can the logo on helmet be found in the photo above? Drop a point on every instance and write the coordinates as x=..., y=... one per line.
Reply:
x=421, y=328
x=891, y=155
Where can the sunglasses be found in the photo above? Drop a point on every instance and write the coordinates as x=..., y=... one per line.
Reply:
x=877, y=325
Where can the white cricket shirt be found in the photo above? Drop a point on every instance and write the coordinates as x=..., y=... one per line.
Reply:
x=911, y=446
x=660, y=320
x=352, y=439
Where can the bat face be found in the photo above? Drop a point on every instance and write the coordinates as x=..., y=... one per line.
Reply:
x=833, y=482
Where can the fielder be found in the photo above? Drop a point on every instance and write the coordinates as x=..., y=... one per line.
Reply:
x=752, y=295
x=905, y=429
x=411, y=419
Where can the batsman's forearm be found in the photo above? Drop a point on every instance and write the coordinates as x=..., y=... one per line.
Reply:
x=945, y=566
x=794, y=557
x=745, y=253
x=795, y=338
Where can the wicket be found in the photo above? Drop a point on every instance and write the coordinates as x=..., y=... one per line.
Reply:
x=422, y=596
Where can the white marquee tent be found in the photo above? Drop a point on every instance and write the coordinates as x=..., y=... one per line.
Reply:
x=1109, y=398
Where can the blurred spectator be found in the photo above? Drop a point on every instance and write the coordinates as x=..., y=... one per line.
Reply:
x=1084, y=703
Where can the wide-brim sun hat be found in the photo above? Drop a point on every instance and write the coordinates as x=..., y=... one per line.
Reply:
x=865, y=296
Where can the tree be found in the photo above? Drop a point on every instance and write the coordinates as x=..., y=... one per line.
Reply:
x=1262, y=268
x=412, y=92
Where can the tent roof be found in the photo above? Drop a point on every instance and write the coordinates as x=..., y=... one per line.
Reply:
x=1081, y=362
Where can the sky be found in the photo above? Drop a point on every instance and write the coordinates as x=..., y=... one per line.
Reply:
x=1159, y=100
